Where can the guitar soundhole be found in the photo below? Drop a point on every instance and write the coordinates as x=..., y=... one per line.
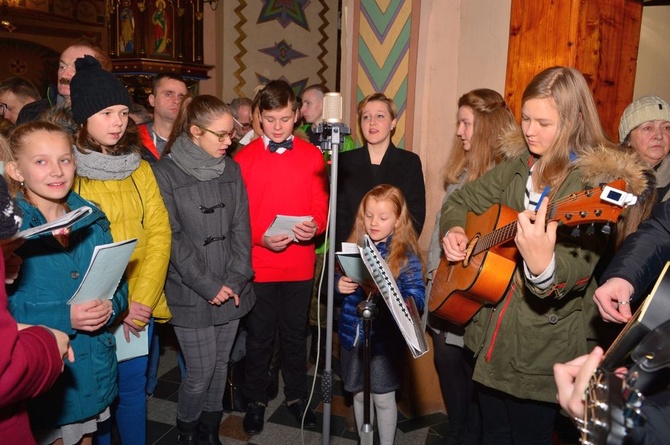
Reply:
x=469, y=250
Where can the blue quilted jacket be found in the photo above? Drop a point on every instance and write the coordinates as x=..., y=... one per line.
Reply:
x=385, y=336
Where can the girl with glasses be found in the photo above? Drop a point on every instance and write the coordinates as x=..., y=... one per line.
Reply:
x=208, y=286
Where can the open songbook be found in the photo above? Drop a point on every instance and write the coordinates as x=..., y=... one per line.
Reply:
x=63, y=222
x=352, y=264
x=404, y=311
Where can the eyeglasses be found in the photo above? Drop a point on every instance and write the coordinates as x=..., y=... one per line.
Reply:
x=3, y=110
x=246, y=127
x=222, y=136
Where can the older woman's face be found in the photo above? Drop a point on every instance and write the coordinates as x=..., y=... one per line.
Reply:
x=651, y=140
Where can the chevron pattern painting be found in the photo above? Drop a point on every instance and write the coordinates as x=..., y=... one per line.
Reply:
x=384, y=54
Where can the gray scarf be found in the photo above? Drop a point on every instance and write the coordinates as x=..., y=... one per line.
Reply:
x=94, y=165
x=194, y=161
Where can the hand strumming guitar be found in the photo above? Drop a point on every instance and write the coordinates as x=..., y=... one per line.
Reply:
x=454, y=244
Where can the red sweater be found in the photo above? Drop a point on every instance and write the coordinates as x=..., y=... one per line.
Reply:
x=29, y=364
x=293, y=183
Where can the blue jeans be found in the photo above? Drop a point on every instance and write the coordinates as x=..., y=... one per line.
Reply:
x=129, y=410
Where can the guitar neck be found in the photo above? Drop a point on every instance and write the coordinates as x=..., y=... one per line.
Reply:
x=625, y=342
x=499, y=236
x=506, y=233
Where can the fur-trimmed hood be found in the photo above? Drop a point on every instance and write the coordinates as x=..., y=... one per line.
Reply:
x=601, y=165
x=597, y=165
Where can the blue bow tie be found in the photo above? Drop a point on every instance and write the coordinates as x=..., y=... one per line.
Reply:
x=274, y=146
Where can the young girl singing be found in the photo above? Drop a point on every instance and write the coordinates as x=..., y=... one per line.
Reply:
x=545, y=315
x=41, y=164
x=384, y=217
x=111, y=173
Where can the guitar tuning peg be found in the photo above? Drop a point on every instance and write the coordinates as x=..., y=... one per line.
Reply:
x=591, y=229
x=576, y=232
x=606, y=229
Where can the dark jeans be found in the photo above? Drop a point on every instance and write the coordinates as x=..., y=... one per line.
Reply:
x=281, y=305
x=455, y=366
x=508, y=420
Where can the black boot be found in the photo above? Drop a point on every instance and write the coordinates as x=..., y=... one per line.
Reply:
x=188, y=432
x=209, y=427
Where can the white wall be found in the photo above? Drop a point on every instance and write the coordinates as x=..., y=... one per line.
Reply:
x=653, y=60
x=463, y=46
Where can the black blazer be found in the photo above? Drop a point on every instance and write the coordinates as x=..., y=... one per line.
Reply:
x=356, y=177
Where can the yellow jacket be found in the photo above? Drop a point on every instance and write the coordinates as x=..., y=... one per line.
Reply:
x=135, y=208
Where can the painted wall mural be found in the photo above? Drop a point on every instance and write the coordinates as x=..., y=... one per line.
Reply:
x=294, y=40
x=385, y=53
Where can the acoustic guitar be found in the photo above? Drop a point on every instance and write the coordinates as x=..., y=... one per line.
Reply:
x=460, y=289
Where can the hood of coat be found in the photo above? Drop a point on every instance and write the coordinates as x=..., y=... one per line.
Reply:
x=597, y=165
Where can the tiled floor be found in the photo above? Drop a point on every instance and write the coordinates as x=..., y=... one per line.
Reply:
x=280, y=427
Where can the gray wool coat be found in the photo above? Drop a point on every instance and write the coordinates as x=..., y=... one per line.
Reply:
x=211, y=244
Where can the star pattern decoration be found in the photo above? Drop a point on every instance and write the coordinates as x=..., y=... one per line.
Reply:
x=285, y=12
x=283, y=52
x=297, y=87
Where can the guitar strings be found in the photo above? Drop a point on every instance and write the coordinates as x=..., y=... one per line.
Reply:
x=508, y=231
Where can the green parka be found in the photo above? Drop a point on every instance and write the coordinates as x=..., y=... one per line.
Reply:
x=517, y=342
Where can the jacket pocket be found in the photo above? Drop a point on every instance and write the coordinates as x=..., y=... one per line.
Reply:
x=540, y=340
x=104, y=368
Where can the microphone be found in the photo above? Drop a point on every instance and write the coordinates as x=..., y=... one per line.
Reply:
x=332, y=108
x=331, y=130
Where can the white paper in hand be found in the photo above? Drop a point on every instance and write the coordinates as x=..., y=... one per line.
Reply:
x=105, y=271
x=137, y=347
x=283, y=225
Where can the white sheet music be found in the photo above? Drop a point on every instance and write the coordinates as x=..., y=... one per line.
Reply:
x=404, y=312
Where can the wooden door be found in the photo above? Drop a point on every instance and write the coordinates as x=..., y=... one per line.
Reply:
x=598, y=37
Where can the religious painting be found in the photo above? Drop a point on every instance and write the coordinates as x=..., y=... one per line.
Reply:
x=127, y=22
x=162, y=28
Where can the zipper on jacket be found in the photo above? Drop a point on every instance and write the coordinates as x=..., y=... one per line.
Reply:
x=500, y=317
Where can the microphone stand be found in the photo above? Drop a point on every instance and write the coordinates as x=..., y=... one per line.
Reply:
x=332, y=137
x=367, y=311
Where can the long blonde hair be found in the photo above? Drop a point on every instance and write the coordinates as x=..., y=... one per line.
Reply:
x=492, y=119
x=404, y=241
x=579, y=126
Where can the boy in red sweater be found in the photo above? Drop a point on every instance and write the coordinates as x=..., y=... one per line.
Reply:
x=286, y=176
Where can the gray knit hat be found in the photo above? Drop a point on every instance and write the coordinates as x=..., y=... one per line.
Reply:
x=646, y=108
x=93, y=89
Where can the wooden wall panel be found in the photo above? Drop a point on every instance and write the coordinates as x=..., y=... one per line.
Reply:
x=598, y=37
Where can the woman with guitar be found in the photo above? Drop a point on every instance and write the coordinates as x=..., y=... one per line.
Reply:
x=544, y=309
x=482, y=118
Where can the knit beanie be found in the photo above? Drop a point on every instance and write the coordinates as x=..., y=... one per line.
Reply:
x=646, y=108
x=93, y=89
